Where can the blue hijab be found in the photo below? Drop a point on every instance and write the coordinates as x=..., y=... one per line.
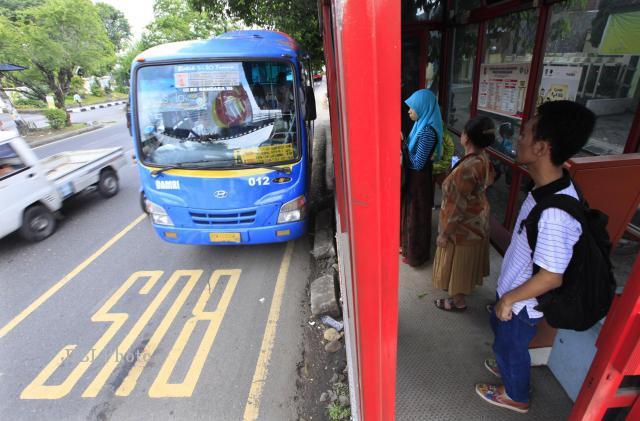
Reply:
x=425, y=104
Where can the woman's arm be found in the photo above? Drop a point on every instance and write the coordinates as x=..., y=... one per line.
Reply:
x=422, y=150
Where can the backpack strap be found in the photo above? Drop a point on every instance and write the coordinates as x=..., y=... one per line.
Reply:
x=574, y=207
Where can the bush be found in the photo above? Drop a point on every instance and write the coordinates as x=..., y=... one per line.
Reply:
x=30, y=103
x=77, y=85
x=122, y=89
x=96, y=90
x=57, y=117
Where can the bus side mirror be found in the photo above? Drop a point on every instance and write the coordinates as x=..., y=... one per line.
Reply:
x=310, y=103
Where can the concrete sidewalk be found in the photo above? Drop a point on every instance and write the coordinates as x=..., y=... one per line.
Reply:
x=441, y=354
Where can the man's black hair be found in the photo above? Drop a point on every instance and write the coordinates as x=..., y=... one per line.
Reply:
x=566, y=125
x=481, y=131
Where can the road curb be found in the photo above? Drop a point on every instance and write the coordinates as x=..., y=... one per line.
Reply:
x=34, y=143
x=96, y=106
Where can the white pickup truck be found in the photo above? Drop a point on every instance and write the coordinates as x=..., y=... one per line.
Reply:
x=32, y=190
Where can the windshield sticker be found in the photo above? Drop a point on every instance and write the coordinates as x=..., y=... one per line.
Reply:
x=265, y=154
x=184, y=102
x=207, y=77
x=231, y=108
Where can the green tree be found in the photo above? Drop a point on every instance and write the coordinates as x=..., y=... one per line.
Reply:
x=76, y=85
x=9, y=8
x=175, y=21
x=122, y=70
x=52, y=40
x=298, y=18
x=117, y=26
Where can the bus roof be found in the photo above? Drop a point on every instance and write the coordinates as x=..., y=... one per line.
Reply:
x=236, y=44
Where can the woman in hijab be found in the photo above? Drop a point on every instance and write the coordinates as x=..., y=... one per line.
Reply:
x=424, y=141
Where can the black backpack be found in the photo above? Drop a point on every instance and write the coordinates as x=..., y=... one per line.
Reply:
x=588, y=285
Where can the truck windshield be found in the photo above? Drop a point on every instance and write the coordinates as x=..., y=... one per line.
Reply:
x=217, y=115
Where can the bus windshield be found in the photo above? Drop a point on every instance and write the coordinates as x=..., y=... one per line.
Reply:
x=217, y=115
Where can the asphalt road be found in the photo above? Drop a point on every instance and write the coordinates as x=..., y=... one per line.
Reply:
x=104, y=320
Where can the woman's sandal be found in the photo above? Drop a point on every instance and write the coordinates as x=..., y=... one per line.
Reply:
x=440, y=303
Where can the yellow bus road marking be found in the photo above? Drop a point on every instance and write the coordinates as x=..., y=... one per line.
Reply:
x=161, y=388
x=94, y=388
x=252, y=407
x=61, y=283
x=129, y=383
x=37, y=388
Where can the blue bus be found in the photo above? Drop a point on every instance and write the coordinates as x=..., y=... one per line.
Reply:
x=222, y=131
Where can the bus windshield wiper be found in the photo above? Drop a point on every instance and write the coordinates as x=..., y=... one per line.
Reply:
x=286, y=170
x=181, y=165
x=159, y=171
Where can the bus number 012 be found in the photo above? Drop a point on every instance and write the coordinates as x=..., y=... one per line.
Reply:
x=259, y=181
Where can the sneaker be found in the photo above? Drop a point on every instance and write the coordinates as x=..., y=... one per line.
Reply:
x=492, y=365
x=491, y=393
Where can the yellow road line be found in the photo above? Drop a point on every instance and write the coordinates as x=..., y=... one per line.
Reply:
x=62, y=282
x=252, y=408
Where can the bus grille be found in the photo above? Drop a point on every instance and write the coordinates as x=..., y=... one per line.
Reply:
x=226, y=218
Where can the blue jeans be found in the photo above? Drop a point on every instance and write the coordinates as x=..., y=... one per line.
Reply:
x=511, y=348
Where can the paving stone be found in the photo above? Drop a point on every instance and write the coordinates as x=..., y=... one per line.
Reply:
x=323, y=297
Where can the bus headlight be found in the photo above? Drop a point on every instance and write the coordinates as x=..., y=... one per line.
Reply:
x=295, y=210
x=158, y=214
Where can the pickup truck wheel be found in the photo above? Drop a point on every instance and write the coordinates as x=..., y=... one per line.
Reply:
x=108, y=183
x=38, y=223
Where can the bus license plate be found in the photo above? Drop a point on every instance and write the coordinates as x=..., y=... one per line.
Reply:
x=224, y=237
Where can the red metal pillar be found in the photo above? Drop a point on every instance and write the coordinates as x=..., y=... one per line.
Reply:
x=332, y=96
x=367, y=40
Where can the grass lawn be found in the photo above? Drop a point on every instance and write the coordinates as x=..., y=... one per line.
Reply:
x=69, y=102
x=91, y=100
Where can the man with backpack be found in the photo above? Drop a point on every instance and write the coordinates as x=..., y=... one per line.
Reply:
x=540, y=252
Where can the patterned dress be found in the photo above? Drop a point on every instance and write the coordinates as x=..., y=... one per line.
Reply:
x=464, y=219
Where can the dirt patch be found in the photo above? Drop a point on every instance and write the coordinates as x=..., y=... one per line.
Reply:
x=318, y=370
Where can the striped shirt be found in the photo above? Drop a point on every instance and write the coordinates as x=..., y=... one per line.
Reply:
x=557, y=234
x=422, y=149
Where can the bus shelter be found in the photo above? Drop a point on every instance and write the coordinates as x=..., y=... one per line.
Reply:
x=480, y=57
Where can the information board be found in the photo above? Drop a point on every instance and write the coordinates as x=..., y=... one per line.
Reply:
x=503, y=88
x=559, y=83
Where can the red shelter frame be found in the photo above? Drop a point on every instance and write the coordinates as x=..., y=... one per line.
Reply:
x=363, y=89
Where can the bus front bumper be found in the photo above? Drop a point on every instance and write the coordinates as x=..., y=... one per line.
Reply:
x=254, y=235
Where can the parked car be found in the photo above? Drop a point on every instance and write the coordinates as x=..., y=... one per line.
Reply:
x=32, y=191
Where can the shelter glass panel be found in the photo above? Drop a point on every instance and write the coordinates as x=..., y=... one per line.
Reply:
x=434, y=64
x=463, y=56
x=504, y=75
x=422, y=10
x=592, y=56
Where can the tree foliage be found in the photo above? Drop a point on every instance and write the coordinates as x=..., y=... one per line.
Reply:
x=117, y=26
x=10, y=8
x=175, y=21
x=298, y=18
x=53, y=40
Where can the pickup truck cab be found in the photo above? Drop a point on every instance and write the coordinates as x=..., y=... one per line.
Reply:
x=32, y=191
